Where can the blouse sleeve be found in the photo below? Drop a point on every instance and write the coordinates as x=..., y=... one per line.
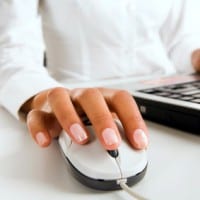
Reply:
x=181, y=33
x=22, y=74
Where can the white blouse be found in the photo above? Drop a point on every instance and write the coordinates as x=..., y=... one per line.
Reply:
x=89, y=40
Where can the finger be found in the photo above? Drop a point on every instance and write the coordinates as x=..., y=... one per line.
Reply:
x=94, y=105
x=60, y=102
x=40, y=101
x=124, y=105
x=52, y=125
x=37, y=127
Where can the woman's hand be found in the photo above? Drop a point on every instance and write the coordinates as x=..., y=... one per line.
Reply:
x=53, y=110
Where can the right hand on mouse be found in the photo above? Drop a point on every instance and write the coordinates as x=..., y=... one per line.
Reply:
x=55, y=109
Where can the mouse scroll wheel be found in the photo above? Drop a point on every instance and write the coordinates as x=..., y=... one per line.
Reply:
x=113, y=153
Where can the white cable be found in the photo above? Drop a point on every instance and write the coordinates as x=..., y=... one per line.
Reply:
x=125, y=187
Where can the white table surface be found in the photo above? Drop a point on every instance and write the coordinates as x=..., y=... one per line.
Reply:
x=30, y=172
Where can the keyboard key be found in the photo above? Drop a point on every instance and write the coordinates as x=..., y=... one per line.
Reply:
x=184, y=90
x=196, y=95
x=196, y=101
x=164, y=94
x=191, y=92
x=149, y=91
x=187, y=98
x=175, y=96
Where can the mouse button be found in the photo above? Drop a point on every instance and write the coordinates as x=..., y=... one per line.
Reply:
x=131, y=161
x=93, y=161
x=64, y=141
x=119, y=126
x=91, y=131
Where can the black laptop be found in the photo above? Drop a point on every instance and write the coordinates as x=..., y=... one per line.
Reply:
x=170, y=100
x=173, y=101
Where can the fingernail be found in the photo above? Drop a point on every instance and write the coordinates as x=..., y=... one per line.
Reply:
x=41, y=139
x=78, y=132
x=140, y=138
x=110, y=136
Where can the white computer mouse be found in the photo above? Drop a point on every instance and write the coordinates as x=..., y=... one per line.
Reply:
x=97, y=168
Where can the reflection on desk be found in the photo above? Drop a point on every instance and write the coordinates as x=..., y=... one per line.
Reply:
x=28, y=171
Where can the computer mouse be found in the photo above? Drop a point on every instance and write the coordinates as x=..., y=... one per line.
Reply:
x=100, y=169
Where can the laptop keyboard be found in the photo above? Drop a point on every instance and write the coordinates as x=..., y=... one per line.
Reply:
x=185, y=91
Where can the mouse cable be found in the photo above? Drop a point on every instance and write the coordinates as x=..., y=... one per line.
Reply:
x=126, y=188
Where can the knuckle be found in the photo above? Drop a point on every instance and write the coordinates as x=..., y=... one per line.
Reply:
x=32, y=117
x=120, y=94
x=32, y=112
x=55, y=92
x=88, y=92
x=35, y=114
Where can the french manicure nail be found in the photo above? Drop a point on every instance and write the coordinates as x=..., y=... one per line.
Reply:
x=41, y=138
x=78, y=132
x=110, y=136
x=140, y=138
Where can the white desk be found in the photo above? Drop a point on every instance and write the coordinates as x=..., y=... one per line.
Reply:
x=30, y=172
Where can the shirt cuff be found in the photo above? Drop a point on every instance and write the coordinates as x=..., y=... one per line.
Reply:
x=22, y=87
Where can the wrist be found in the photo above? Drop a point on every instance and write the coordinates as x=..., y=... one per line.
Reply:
x=196, y=60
